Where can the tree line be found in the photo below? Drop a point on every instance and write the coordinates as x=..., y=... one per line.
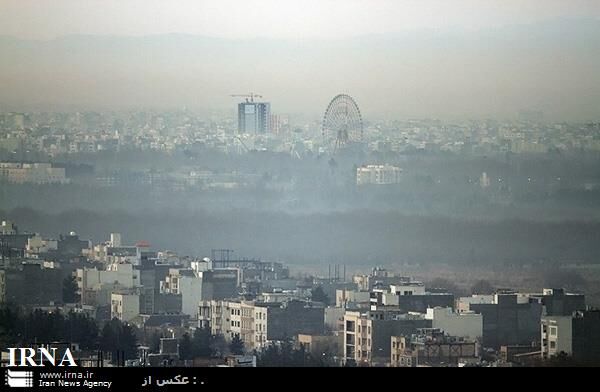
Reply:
x=21, y=328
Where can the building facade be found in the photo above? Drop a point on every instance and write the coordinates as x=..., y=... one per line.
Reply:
x=431, y=347
x=258, y=323
x=254, y=117
x=32, y=173
x=367, y=334
x=507, y=320
x=465, y=324
x=378, y=175
x=575, y=336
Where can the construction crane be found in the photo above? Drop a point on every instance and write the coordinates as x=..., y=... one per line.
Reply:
x=249, y=95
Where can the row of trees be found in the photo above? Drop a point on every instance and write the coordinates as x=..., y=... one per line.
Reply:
x=21, y=328
x=18, y=327
x=202, y=344
x=119, y=337
x=286, y=355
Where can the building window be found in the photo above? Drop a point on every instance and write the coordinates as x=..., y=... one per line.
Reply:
x=553, y=345
x=553, y=331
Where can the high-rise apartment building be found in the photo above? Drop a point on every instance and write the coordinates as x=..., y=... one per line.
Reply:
x=254, y=117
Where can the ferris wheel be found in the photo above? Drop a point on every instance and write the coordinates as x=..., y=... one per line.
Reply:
x=342, y=123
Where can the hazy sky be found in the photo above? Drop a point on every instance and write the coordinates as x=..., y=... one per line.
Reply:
x=454, y=58
x=272, y=18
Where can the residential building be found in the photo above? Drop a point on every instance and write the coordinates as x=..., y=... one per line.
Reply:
x=466, y=324
x=37, y=245
x=381, y=299
x=352, y=298
x=197, y=286
x=575, y=336
x=378, y=174
x=557, y=302
x=34, y=173
x=367, y=334
x=258, y=323
x=322, y=345
x=254, y=117
x=431, y=347
x=507, y=320
x=30, y=283
x=125, y=306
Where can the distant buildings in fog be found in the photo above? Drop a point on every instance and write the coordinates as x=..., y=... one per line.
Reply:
x=32, y=173
x=378, y=174
x=254, y=117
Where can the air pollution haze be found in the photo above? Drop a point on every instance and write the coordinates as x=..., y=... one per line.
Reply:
x=263, y=183
x=492, y=72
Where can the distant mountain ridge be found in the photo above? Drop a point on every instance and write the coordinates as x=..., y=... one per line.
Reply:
x=550, y=66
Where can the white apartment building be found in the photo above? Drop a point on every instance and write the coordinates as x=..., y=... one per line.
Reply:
x=124, y=306
x=464, y=303
x=346, y=297
x=231, y=318
x=466, y=324
x=123, y=274
x=34, y=173
x=408, y=288
x=258, y=323
x=37, y=244
x=194, y=286
x=557, y=335
x=378, y=174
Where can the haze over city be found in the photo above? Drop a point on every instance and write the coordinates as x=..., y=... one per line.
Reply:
x=403, y=59
x=203, y=184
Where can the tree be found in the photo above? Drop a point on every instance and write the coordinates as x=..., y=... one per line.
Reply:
x=82, y=329
x=236, y=347
x=128, y=341
x=155, y=342
x=318, y=295
x=119, y=339
x=185, y=347
x=18, y=328
x=201, y=343
x=218, y=346
x=9, y=325
x=482, y=287
x=69, y=290
x=108, y=338
x=285, y=355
